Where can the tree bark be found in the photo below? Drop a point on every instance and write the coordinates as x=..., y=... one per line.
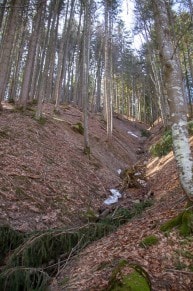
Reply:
x=177, y=103
x=7, y=46
x=85, y=71
x=25, y=90
x=107, y=73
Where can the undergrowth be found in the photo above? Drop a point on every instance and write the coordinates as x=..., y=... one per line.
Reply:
x=9, y=240
x=145, y=133
x=149, y=241
x=164, y=145
x=122, y=215
x=32, y=259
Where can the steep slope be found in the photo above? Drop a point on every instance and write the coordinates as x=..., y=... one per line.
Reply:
x=45, y=178
x=46, y=181
x=168, y=262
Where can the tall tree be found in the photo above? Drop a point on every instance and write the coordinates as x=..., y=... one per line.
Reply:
x=7, y=45
x=177, y=103
x=108, y=69
x=63, y=50
x=2, y=10
x=85, y=71
x=32, y=50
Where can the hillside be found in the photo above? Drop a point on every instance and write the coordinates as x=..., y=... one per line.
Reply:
x=44, y=170
x=48, y=182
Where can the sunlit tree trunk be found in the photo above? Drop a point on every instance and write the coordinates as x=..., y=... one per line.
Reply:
x=178, y=106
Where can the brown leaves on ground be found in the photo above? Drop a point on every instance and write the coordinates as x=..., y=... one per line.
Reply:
x=46, y=181
x=45, y=178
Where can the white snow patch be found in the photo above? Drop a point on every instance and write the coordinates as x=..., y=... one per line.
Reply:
x=131, y=133
x=119, y=171
x=113, y=198
x=137, y=174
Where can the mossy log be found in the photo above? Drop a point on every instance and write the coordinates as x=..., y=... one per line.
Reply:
x=137, y=280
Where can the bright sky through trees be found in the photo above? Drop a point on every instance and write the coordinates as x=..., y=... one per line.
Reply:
x=128, y=17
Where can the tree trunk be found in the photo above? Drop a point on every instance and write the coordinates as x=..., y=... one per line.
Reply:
x=86, y=57
x=61, y=70
x=7, y=46
x=31, y=54
x=2, y=10
x=107, y=74
x=177, y=103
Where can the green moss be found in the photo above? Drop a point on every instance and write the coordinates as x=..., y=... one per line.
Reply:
x=180, y=265
x=137, y=280
x=190, y=127
x=145, y=133
x=163, y=146
x=133, y=282
x=78, y=127
x=90, y=215
x=149, y=241
x=184, y=222
x=186, y=227
x=170, y=224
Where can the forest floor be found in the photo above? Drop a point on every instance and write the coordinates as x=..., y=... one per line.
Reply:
x=46, y=181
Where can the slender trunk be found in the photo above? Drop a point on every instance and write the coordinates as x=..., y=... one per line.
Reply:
x=31, y=54
x=86, y=56
x=2, y=10
x=76, y=98
x=62, y=54
x=107, y=74
x=7, y=46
